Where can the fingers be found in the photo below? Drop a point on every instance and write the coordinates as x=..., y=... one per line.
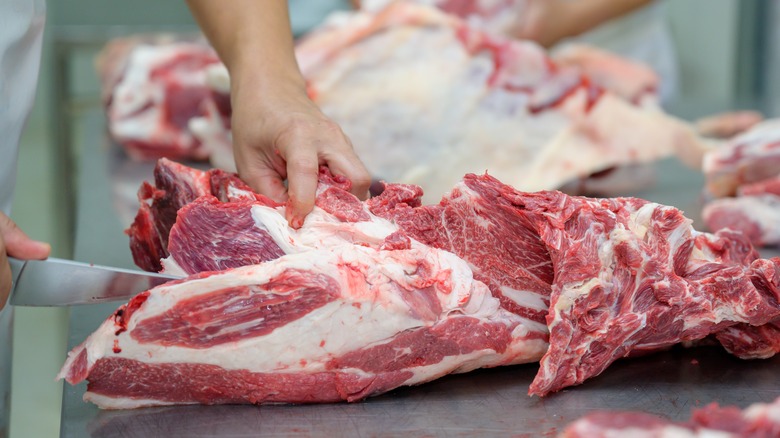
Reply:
x=265, y=181
x=302, y=175
x=302, y=148
x=348, y=164
x=284, y=135
x=726, y=125
x=18, y=244
x=14, y=242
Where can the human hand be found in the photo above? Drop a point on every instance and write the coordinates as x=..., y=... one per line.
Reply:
x=549, y=21
x=278, y=134
x=728, y=124
x=13, y=242
x=545, y=21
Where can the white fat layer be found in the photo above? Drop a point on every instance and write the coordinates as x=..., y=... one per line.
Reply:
x=108, y=402
x=372, y=302
x=524, y=298
x=526, y=327
x=321, y=230
x=170, y=267
x=639, y=221
x=677, y=237
x=699, y=255
x=669, y=431
x=571, y=293
x=770, y=411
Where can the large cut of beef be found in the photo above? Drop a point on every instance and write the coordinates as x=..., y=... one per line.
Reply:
x=744, y=177
x=419, y=90
x=629, y=275
x=607, y=278
x=318, y=326
x=760, y=420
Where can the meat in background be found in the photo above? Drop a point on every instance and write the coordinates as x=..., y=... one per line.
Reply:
x=759, y=420
x=744, y=178
x=152, y=86
x=425, y=97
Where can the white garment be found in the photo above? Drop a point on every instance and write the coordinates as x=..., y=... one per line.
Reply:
x=21, y=33
x=643, y=36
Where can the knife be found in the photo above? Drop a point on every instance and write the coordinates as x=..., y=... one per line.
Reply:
x=58, y=282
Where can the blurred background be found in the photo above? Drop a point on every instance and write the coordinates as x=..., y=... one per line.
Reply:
x=728, y=53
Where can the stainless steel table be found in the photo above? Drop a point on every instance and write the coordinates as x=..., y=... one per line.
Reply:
x=482, y=403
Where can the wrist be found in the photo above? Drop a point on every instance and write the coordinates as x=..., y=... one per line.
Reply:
x=572, y=17
x=263, y=79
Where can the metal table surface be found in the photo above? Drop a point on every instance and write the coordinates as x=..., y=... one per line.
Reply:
x=482, y=403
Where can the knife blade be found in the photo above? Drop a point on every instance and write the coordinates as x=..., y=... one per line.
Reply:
x=58, y=282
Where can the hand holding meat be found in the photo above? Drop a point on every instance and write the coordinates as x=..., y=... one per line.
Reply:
x=278, y=132
x=13, y=242
x=284, y=135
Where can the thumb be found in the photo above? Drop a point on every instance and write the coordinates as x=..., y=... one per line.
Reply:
x=18, y=244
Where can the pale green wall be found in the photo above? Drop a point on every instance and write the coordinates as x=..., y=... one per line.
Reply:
x=705, y=35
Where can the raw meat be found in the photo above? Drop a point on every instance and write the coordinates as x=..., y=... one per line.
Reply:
x=500, y=16
x=319, y=326
x=629, y=275
x=632, y=277
x=756, y=216
x=744, y=175
x=152, y=87
x=176, y=186
x=630, y=80
x=750, y=157
x=474, y=102
x=760, y=420
x=749, y=342
x=620, y=276
x=519, y=272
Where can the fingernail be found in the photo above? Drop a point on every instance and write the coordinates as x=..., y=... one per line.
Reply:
x=292, y=219
x=43, y=246
x=288, y=212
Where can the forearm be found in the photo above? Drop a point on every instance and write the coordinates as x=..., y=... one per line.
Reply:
x=253, y=39
x=278, y=132
x=589, y=14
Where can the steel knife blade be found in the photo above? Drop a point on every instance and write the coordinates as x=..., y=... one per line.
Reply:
x=58, y=282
